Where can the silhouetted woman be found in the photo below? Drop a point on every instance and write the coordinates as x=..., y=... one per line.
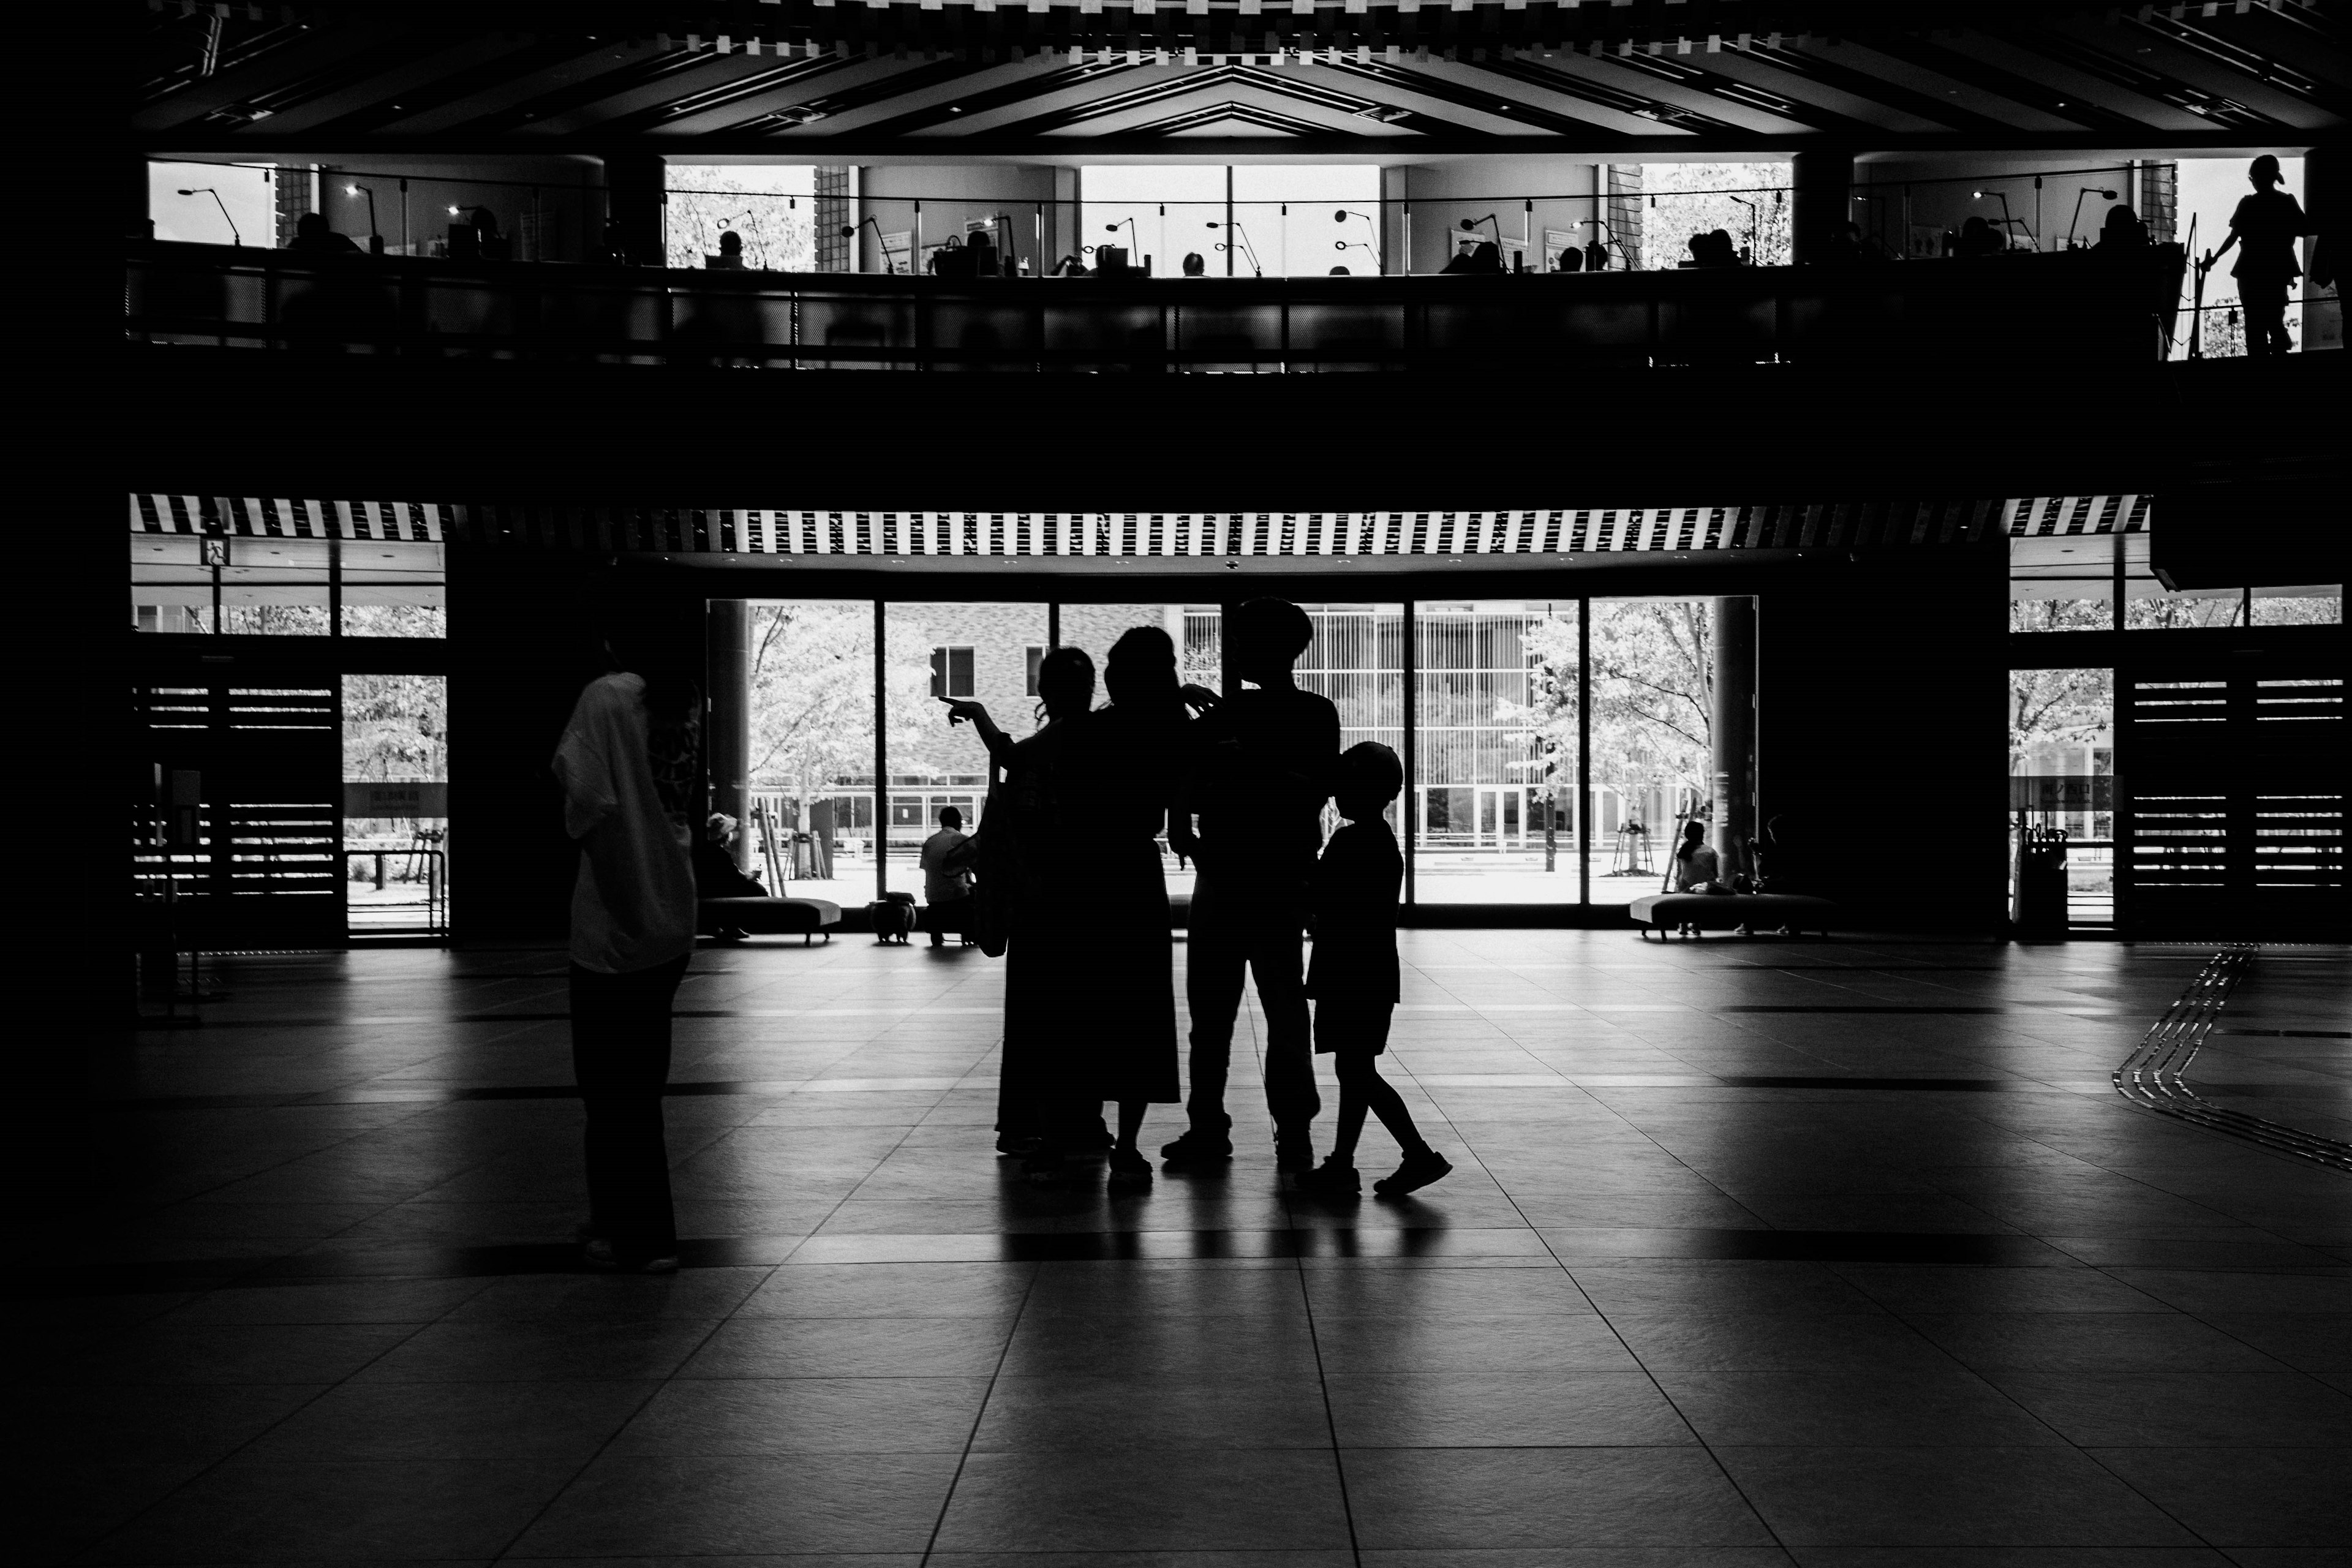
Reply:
x=1694, y=863
x=1041, y=1111
x=1132, y=755
x=2264, y=228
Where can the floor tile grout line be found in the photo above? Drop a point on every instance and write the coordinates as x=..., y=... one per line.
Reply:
x=558, y=1495
x=979, y=1414
x=138, y=1514
x=1717, y=1460
x=1323, y=1387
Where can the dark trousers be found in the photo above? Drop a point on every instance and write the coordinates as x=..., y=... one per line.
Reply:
x=1233, y=930
x=620, y=1056
x=2265, y=306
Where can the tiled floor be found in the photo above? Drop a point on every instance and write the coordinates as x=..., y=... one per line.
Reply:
x=1841, y=1254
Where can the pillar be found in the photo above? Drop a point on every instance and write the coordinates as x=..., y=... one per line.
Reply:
x=137, y=223
x=1821, y=194
x=634, y=207
x=728, y=742
x=1732, y=725
x=2327, y=201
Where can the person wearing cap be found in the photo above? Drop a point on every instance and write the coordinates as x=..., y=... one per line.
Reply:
x=2264, y=229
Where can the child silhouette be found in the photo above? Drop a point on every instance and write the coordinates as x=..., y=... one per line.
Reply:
x=1353, y=978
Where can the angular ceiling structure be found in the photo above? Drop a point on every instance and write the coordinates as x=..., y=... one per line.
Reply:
x=819, y=80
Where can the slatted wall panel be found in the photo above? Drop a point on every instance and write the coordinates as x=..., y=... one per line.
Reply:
x=265, y=867
x=2234, y=817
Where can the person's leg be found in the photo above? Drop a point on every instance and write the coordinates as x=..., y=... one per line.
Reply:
x=1353, y=1068
x=1277, y=968
x=1128, y=1168
x=620, y=1033
x=1214, y=960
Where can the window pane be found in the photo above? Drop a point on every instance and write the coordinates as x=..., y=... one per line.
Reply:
x=975, y=651
x=2321, y=606
x=813, y=745
x=1652, y=683
x=396, y=801
x=1497, y=752
x=2066, y=584
x=2061, y=738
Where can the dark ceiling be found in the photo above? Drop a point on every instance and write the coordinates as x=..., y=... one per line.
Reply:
x=1202, y=78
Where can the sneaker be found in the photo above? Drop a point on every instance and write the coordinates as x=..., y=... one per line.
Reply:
x=1334, y=1178
x=1128, y=1168
x=1294, y=1152
x=1198, y=1148
x=600, y=1254
x=1417, y=1171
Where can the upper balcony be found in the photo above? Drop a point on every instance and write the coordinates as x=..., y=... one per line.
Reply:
x=2082, y=309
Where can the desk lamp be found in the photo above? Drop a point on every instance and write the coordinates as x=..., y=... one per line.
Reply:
x=1343, y=214
x=2079, y=194
x=2007, y=222
x=236, y=238
x=375, y=240
x=1248, y=249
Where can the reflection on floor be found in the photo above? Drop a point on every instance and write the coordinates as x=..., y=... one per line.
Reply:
x=1757, y=1253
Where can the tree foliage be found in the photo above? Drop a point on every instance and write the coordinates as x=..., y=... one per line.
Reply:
x=395, y=727
x=812, y=695
x=1717, y=191
x=1653, y=684
x=779, y=231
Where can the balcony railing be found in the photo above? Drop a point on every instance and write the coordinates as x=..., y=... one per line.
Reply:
x=2068, y=311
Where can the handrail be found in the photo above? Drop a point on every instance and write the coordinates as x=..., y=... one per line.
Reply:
x=2079, y=303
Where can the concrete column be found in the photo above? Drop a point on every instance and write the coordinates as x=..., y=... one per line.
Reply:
x=1733, y=727
x=2327, y=201
x=728, y=624
x=635, y=205
x=137, y=223
x=1822, y=192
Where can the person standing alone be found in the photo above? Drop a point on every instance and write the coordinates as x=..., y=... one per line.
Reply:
x=2264, y=228
x=627, y=763
x=1263, y=775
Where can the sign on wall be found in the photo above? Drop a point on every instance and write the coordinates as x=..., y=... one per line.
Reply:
x=366, y=798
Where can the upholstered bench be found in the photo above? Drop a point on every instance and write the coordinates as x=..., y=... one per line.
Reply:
x=804, y=917
x=1689, y=912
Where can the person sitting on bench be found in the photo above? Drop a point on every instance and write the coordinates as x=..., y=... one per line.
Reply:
x=947, y=879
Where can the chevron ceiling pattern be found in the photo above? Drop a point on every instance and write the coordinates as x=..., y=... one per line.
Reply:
x=1130, y=535
x=814, y=79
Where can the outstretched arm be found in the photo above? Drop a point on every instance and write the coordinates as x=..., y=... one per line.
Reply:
x=966, y=711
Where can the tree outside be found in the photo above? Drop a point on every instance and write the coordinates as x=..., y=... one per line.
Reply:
x=1685, y=199
x=1653, y=685
x=813, y=697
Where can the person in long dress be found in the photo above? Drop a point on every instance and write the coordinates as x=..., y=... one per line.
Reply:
x=1041, y=1113
x=1127, y=761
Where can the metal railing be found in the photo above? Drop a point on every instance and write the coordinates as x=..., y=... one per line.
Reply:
x=2081, y=306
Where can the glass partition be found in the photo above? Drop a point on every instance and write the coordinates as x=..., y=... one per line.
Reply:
x=2062, y=764
x=812, y=758
x=1495, y=752
x=396, y=802
x=932, y=652
x=1652, y=698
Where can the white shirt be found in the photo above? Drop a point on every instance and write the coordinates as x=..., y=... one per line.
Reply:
x=940, y=885
x=1701, y=867
x=633, y=906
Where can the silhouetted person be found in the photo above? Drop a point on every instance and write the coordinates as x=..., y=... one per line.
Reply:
x=1979, y=238
x=478, y=237
x=627, y=763
x=313, y=237
x=1194, y=266
x=716, y=875
x=1695, y=863
x=2122, y=234
x=981, y=253
x=946, y=862
x=1353, y=978
x=731, y=254
x=1263, y=772
x=1569, y=260
x=1483, y=258
x=2264, y=228
x=1341, y=272
x=1131, y=755
x=1041, y=1113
